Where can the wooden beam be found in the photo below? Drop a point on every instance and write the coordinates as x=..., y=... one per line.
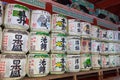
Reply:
x=118, y=14
x=92, y=1
x=115, y=10
x=107, y=3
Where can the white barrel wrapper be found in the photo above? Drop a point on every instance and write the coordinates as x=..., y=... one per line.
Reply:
x=117, y=60
x=85, y=62
x=12, y=66
x=110, y=35
x=74, y=27
x=15, y=41
x=115, y=35
x=58, y=43
x=96, y=61
x=17, y=16
x=103, y=34
x=73, y=45
x=40, y=20
x=73, y=63
x=1, y=13
x=117, y=47
x=95, y=46
x=58, y=63
x=112, y=48
x=0, y=38
x=38, y=65
x=39, y=42
x=118, y=35
x=59, y=23
x=85, y=28
x=112, y=59
x=85, y=44
x=104, y=48
x=105, y=61
x=95, y=31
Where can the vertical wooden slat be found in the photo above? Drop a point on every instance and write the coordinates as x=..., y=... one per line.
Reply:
x=75, y=77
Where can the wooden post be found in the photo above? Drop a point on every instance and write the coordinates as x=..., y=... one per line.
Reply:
x=117, y=72
x=100, y=73
x=75, y=77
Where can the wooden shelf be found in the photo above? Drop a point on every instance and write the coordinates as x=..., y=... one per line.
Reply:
x=113, y=78
x=74, y=75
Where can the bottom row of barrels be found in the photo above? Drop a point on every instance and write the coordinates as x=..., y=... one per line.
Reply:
x=16, y=66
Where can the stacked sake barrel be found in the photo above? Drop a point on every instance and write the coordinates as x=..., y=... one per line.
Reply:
x=15, y=42
x=114, y=49
x=109, y=48
x=86, y=57
x=1, y=22
x=73, y=46
x=58, y=44
x=38, y=57
x=95, y=47
x=2, y=70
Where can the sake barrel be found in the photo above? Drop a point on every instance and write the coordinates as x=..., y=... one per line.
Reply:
x=0, y=38
x=104, y=34
x=73, y=63
x=12, y=66
x=39, y=42
x=58, y=42
x=111, y=48
x=115, y=35
x=95, y=32
x=100, y=34
x=96, y=61
x=15, y=41
x=73, y=45
x=85, y=62
x=59, y=23
x=17, y=16
x=1, y=13
x=112, y=59
x=85, y=44
x=116, y=57
x=58, y=63
x=117, y=47
x=118, y=35
x=40, y=20
x=104, y=48
x=38, y=65
x=105, y=61
x=85, y=28
x=74, y=27
x=95, y=46
x=117, y=60
x=110, y=35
